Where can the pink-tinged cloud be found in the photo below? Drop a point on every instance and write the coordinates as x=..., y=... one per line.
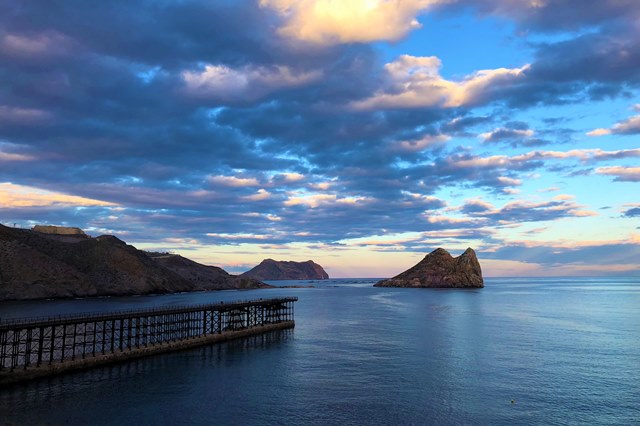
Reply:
x=499, y=161
x=327, y=22
x=260, y=195
x=11, y=115
x=630, y=126
x=622, y=174
x=44, y=44
x=414, y=82
x=10, y=156
x=248, y=83
x=232, y=181
x=20, y=196
x=316, y=200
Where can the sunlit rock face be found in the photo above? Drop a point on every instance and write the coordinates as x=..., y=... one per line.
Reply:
x=440, y=270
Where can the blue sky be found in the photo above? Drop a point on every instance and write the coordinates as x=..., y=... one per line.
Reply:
x=361, y=134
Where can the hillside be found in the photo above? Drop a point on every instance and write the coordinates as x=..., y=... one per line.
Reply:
x=36, y=265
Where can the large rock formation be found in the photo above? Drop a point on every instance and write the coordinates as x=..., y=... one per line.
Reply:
x=35, y=266
x=440, y=270
x=270, y=269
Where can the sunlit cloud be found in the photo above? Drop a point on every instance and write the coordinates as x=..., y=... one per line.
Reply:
x=503, y=133
x=242, y=84
x=622, y=174
x=16, y=115
x=315, y=200
x=415, y=82
x=10, y=156
x=17, y=196
x=261, y=195
x=630, y=126
x=326, y=22
x=233, y=181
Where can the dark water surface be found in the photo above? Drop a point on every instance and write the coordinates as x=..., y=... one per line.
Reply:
x=566, y=351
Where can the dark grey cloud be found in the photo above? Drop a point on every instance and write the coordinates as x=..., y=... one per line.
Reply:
x=632, y=212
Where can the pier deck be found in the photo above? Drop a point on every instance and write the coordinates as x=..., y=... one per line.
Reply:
x=36, y=347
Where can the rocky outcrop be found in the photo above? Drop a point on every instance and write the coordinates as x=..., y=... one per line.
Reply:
x=34, y=266
x=270, y=269
x=440, y=270
x=205, y=277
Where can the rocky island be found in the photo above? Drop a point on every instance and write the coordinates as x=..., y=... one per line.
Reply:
x=270, y=269
x=52, y=262
x=440, y=270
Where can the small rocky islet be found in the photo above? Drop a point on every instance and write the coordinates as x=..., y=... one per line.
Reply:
x=439, y=269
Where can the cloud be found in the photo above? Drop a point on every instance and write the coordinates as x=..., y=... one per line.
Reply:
x=632, y=212
x=630, y=126
x=326, y=22
x=502, y=134
x=223, y=83
x=20, y=196
x=415, y=82
x=44, y=44
x=261, y=195
x=11, y=115
x=424, y=142
x=621, y=173
x=522, y=211
x=233, y=181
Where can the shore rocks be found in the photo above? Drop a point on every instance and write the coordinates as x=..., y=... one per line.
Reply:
x=440, y=270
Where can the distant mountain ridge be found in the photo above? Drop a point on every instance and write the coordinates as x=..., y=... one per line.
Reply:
x=270, y=269
x=36, y=265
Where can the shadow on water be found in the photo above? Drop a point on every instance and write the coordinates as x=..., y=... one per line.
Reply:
x=16, y=399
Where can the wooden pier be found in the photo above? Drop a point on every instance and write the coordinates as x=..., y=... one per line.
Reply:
x=36, y=347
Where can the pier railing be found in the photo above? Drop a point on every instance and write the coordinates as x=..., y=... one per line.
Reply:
x=35, y=342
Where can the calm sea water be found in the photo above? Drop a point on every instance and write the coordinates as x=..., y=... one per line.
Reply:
x=565, y=351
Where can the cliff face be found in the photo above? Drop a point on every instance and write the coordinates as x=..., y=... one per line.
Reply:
x=270, y=269
x=441, y=270
x=35, y=266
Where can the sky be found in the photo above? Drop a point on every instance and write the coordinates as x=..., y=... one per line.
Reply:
x=361, y=134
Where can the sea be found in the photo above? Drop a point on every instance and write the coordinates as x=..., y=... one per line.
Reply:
x=531, y=351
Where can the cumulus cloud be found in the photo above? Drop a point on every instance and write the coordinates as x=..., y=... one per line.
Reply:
x=224, y=83
x=415, y=81
x=326, y=22
x=630, y=126
x=621, y=173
